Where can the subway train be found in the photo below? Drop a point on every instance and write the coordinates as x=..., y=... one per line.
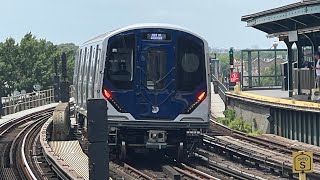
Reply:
x=155, y=79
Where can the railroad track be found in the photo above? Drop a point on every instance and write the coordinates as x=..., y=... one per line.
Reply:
x=148, y=169
x=226, y=168
x=16, y=139
x=267, y=154
x=262, y=141
x=189, y=172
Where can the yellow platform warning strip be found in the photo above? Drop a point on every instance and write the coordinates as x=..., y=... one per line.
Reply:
x=275, y=101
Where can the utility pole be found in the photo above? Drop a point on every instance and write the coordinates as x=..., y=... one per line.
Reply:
x=231, y=60
x=56, y=82
x=64, y=82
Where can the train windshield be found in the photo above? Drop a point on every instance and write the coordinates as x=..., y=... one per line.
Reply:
x=120, y=65
x=120, y=61
x=190, y=64
x=156, y=68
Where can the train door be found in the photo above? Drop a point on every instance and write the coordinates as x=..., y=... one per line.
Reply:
x=156, y=81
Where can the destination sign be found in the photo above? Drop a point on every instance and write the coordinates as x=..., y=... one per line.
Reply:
x=156, y=36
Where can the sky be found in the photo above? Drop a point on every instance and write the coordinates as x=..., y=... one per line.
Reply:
x=64, y=21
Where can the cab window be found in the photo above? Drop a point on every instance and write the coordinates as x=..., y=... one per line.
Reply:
x=190, y=64
x=120, y=61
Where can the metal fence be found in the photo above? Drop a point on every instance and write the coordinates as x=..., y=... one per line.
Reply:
x=18, y=103
x=261, y=67
x=219, y=87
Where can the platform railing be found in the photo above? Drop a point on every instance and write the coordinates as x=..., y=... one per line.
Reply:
x=219, y=87
x=22, y=102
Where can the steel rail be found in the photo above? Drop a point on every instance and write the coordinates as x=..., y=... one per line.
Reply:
x=24, y=158
x=224, y=168
x=279, y=146
x=193, y=173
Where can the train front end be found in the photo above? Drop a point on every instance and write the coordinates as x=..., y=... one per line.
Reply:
x=156, y=82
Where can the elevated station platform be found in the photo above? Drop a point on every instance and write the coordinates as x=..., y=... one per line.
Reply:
x=277, y=98
x=275, y=93
x=217, y=104
x=278, y=93
x=274, y=112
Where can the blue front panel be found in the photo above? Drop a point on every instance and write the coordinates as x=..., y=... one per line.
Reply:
x=149, y=86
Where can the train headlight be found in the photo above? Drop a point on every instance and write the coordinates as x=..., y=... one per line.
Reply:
x=200, y=98
x=154, y=136
x=107, y=94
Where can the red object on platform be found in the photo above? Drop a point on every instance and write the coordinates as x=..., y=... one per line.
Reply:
x=235, y=77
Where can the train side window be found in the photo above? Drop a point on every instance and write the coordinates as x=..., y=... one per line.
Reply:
x=120, y=61
x=81, y=69
x=92, y=72
x=81, y=66
x=77, y=67
x=85, y=75
x=190, y=63
x=89, y=73
x=97, y=70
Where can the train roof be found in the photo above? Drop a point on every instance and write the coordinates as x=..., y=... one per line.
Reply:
x=140, y=26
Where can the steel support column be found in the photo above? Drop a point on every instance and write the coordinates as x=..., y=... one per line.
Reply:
x=300, y=60
x=290, y=60
x=299, y=126
x=286, y=122
x=317, y=117
x=304, y=127
x=275, y=122
x=241, y=69
x=280, y=120
x=249, y=69
x=275, y=67
x=314, y=129
x=259, y=72
x=290, y=120
x=309, y=129
x=294, y=123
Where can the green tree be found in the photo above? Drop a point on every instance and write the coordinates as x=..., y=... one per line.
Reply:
x=36, y=62
x=70, y=49
x=9, y=55
x=31, y=62
x=270, y=81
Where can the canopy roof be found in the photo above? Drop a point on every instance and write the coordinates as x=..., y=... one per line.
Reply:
x=303, y=17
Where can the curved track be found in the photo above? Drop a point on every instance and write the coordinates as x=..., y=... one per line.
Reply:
x=16, y=142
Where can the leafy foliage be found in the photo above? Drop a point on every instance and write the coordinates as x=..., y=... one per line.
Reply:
x=270, y=81
x=230, y=114
x=30, y=62
x=236, y=123
x=240, y=125
x=224, y=121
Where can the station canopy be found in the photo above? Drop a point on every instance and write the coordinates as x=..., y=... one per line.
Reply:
x=301, y=18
